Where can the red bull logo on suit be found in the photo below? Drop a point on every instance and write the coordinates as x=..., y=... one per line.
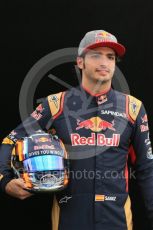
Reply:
x=96, y=124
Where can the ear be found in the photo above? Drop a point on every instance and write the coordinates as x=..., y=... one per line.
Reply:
x=80, y=62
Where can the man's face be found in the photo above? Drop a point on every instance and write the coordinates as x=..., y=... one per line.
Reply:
x=98, y=65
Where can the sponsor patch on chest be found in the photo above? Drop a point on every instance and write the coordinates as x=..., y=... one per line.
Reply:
x=95, y=139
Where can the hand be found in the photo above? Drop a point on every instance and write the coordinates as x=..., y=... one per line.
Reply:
x=16, y=188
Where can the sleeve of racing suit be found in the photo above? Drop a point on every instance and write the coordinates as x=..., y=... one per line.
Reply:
x=40, y=119
x=144, y=160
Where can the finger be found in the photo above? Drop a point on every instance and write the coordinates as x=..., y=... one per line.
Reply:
x=21, y=183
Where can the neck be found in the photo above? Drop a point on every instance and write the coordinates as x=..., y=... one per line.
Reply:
x=96, y=87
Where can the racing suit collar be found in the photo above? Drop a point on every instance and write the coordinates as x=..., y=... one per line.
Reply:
x=97, y=94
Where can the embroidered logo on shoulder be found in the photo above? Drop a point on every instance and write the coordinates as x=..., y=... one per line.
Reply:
x=54, y=99
x=56, y=103
x=133, y=107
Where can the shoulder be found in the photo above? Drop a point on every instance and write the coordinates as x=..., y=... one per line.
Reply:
x=55, y=102
x=132, y=104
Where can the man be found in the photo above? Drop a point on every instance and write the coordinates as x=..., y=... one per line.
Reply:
x=99, y=127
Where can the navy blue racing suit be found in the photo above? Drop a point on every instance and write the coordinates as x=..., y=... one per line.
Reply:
x=99, y=132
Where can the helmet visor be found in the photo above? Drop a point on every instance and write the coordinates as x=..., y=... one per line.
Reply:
x=43, y=163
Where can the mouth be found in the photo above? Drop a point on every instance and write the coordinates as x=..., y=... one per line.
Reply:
x=102, y=72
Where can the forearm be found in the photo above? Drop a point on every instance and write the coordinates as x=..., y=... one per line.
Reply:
x=5, y=165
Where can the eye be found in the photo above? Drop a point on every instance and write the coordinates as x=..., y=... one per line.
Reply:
x=110, y=57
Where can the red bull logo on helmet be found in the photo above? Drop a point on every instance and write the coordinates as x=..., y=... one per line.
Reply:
x=95, y=124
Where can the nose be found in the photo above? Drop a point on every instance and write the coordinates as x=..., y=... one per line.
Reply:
x=103, y=61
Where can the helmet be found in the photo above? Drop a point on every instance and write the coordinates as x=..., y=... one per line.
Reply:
x=41, y=161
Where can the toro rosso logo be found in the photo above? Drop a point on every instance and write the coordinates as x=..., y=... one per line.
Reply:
x=95, y=124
